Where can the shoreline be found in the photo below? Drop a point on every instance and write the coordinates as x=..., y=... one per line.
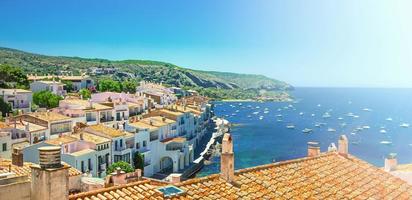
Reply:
x=222, y=127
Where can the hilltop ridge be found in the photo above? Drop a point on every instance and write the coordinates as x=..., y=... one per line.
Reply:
x=167, y=73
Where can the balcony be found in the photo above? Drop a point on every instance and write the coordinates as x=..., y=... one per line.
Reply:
x=144, y=150
x=102, y=167
x=106, y=119
x=174, y=148
x=120, y=148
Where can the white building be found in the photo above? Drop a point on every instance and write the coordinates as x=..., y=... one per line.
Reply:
x=79, y=82
x=52, y=86
x=19, y=99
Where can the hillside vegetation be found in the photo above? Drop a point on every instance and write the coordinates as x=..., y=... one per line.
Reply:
x=155, y=71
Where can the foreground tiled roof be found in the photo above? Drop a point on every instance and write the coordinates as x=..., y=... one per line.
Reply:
x=25, y=170
x=328, y=176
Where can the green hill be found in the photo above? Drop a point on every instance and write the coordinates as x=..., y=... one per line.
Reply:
x=143, y=70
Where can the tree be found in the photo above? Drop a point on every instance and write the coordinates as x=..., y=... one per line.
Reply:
x=109, y=85
x=5, y=107
x=86, y=94
x=124, y=166
x=46, y=99
x=138, y=161
x=68, y=86
x=129, y=86
x=12, y=77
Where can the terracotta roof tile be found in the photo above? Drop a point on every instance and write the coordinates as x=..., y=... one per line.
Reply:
x=328, y=176
x=25, y=170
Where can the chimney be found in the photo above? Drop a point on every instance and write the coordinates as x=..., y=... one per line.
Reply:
x=17, y=157
x=391, y=162
x=81, y=136
x=49, y=179
x=90, y=103
x=313, y=149
x=175, y=178
x=227, y=168
x=119, y=177
x=163, y=119
x=27, y=127
x=343, y=146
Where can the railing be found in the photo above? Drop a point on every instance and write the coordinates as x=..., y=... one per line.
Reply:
x=108, y=119
x=174, y=148
x=144, y=150
x=102, y=167
x=120, y=148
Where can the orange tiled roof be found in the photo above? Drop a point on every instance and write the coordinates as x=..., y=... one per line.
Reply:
x=25, y=170
x=328, y=176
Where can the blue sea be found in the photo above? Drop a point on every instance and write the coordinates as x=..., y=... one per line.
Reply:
x=370, y=118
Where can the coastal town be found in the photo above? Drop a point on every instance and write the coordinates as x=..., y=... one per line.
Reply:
x=149, y=145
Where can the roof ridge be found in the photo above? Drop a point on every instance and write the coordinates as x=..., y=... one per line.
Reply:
x=270, y=165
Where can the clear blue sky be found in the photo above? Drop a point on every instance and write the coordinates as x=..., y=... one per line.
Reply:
x=364, y=43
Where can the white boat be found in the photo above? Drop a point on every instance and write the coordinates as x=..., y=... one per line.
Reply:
x=356, y=116
x=366, y=127
x=404, y=125
x=343, y=124
x=319, y=105
x=258, y=107
x=279, y=109
x=386, y=142
x=358, y=129
x=290, y=126
x=353, y=133
x=301, y=113
x=312, y=115
x=290, y=106
x=279, y=120
x=326, y=115
x=382, y=131
x=350, y=114
x=240, y=104
x=237, y=111
x=340, y=118
x=266, y=112
x=331, y=130
x=279, y=115
x=307, y=130
x=261, y=117
x=317, y=125
x=367, y=109
x=255, y=113
x=249, y=116
x=389, y=119
x=266, y=108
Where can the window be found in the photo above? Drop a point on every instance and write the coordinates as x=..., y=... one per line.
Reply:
x=144, y=143
x=115, y=144
x=82, y=166
x=121, y=143
x=4, y=146
x=137, y=145
x=89, y=162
